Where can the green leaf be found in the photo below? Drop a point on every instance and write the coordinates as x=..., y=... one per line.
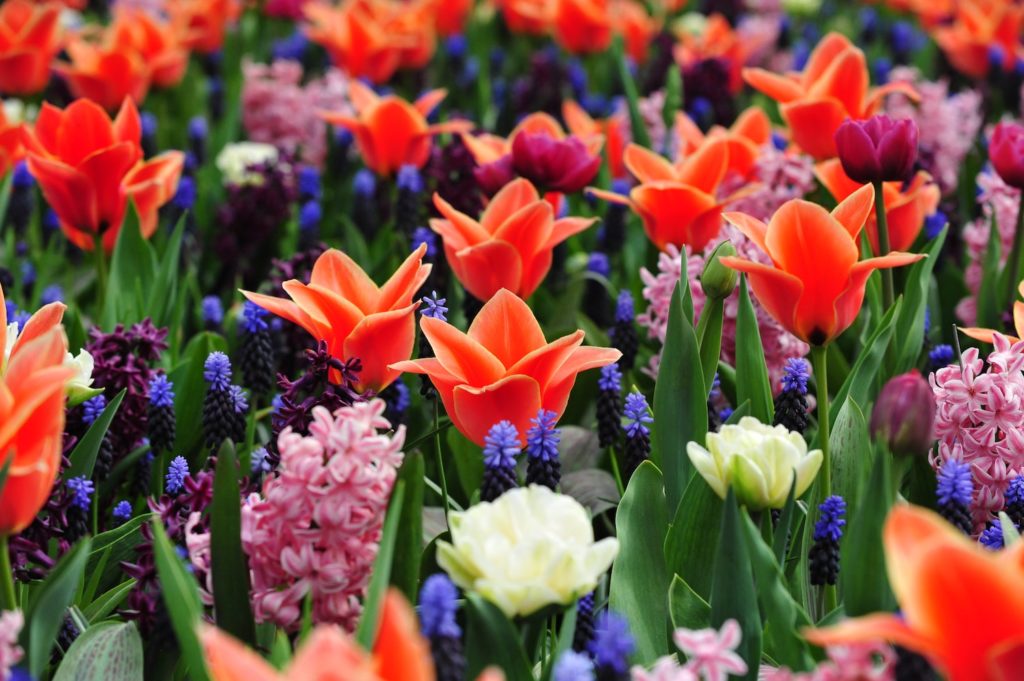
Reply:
x=865, y=586
x=1011, y=535
x=468, y=463
x=685, y=606
x=680, y=402
x=132, y=270
x=165, y=290
x=640, y=581
x=83, y=456
x=108, y=602
x=783, y=617
x=850, y=445
x=692, y=539
x=113, y=546
x=108, y=651
x=709, y=337
x=909, y=336
x=366, y=632
x=181, y=596
x=190, y=390
x=991, y=293
x=45, y=615
x=5, y=196
x=750, y=362
x=228, y=567
x=732, y=588
x=673, y=99
x=860, y=383
x=405, y=570
x=738, y=413
x=492, y=640
x=636, y=120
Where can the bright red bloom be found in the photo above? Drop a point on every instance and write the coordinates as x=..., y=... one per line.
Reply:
x=751, y=131
x=156, y=42
x=88, y=166
x=975, y=28
x=105, y=72
x=612, y=129
x=510, y=248
x=503, y=368
x=30, y=37
x=815, y=287
x=719, y=41
x=11, y=149
x=203, y=24
x=1006, y=152
x=879, y=149
x=533, y=17
x=583, y=26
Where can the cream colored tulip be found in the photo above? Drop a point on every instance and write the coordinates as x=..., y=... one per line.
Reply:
x=757, y=461
x=528, y=549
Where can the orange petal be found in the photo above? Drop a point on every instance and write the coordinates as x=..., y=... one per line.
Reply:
x=379, y=341
x=45, y=319
x=647, y=166
x=405, y=282
x=335, y=271
x=754, y=125
x=506, y=326
x=401, y=652
x=705, y=168
x=326, y=651
x=611, y=197
x=854, y=210
x=871, y=629
x=778, y=292
x=813, y=124
x=428, y=101
x=669, y=211
x=460, y=355
x=107, y=168
x=85, y=128
x=779, y=88
x=831, y=176
x=362, y=96
x=823, y=55
x=846, y=79
x=983, y=335
x=444, y=382
x=1018, y=318
x=128, y=125
x=285, y=309
x=339, y=315
x=577, y=119
x=515, y=398
x=511, y=198
x=753, y=228
x=309, y=301
x=529, y=229
x=228, y=659
x=472, y=231
x=489, y=267
x=543, y=362
x=69, y=192
x=583, y=358
x=567, y=227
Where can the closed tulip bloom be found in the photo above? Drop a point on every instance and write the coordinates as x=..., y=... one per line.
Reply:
x=815, y=285
x=355, y=36
x=156, y=42
x=904, y=414
x=757, y=461
x=342, y=306
x=106, y=73
x=389, y=131
x=503, y=368
x=30, y=37
x=564, y=165
x=879, y=149
x=88, y=166
x=961, y=604
x=907, y=204
x=1006, y=152
x=33, y=379
x=510, y=247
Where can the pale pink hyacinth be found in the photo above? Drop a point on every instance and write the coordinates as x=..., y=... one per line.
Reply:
x=316, y=528
x=979, y=420
x=11, y=653
x=651, y=110
x=199, y=553
x=855, y=662
x=948, y=125
x=278, y=109
x=710, y=656
x=998, y=200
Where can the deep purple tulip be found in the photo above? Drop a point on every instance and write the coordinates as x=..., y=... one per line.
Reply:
x=565, y=166
x=879, y=149
x=904, y=414
x=1006, y=152
x=492, y=176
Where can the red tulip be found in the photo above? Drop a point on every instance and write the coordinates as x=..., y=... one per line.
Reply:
x=879, y=149
x=29, y=40
x=1006, y=152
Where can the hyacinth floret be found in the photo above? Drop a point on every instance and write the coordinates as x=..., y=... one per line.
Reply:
x=161, y=392
x=637, y=416
x=434, y=307
x=217, y=371
x=177, y=471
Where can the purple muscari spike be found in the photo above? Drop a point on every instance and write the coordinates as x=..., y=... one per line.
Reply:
x=611, y=378
x=364, y=183
x=217, y=371
x=177, y=471
x=22, y=177
x=501, y=445
x=637, y=415
x=830, y=522
x=797, y=372
x=213, y=310
x=992, y=537
x=239, y=399
x=542, y=438
x=259, y=462
x=409, y=179
x=51, y=294
x=92, y=408
x=161, y=391
x=253, y=318
x=573, y=666
x=438, y=605
x=624, y=307
x=81, y=490
x=598, y=264
x=423, y=235
x=955, y=484
x=185, y=195
x=940, y=356
x=310, y=215
x=613, y=644
x=308, y=182
x=122, y=511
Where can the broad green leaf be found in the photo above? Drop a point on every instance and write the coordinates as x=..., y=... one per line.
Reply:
x=680, y=402
x=732, y=588
x=132, y=271
x=865, y=586
x=83, y=456
x=1011, y=535
x=692, y=540
x=164, y=291
x=113, y=546
x=108, y=651
x=190, y=390
x=492, y=640
x=709, y=337
x=860, y=383
x=783, y=531
x=5, y=196
x=636, y=120
x=850, y=445
x=640, y=581
x=228, y=567
x=181, y=596
x=465, y=466
x=909, y=337
x=686, y=607
x=366, y=632
x=108, y=602
x=750, y=361
x=405, y=570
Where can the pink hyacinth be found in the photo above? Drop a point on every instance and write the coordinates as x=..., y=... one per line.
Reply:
x=199, y=552
x=11, y=653
x=278, y=109
x=315, y=530
x=710, y=656
x=855, y=662
x=948, y=124
x=980, y=421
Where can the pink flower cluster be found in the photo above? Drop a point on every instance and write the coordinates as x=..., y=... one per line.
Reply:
x=859, y=662
x=980, y=421
x=278, y=109
x=11, y=653
x=316, y=528
x=948, y=124
x=781, y=176
x=998, y=201
x=710, y=656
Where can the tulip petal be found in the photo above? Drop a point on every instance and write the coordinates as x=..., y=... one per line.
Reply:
x=461, y=355
x=429, y=101
x=579, y=122
x=753, y=228
x=854, y=210
x=444, y=382
x=611, y=197
x=705, y=168
x=285, y=309
x=544, y=362
x=669, y=210
x=846, y=79
x=309, y=302
x=85, y=128
x=528, y=230
x=227, y=659
x=813, y=124
x=979, y=334
x=778, y=292
x=471, y=230
x=380, y=340
x=831, y=176
x=754, y=125
x=823, y=55
x=513, y=197
x=779, y=88
x=128, y=126
x=583, y=358
x=489, y=267
x=338, y=315
x=405, y=282
x=872, y=628
x=335, y=271
x=69, y=192
x=400, y=651
x=42, y=137
x=515, y=398
x=46, y=318
x=1018, y=318
x=534, y=272
x=106, y=169
x=647, y=166
x=506, y=326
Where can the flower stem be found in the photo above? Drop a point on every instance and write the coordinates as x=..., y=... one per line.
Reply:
x=819, y=357
x=888, y=290
x=8, y=601
x=440, y=463
x=1013, y=261
x=101, y=272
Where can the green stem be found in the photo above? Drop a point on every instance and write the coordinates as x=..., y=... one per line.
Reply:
x=615, y=470
x=101, y=272
x=440, y=463
x=9, y=600
x=1013, y=261
x=888, y=290
x=819, y=357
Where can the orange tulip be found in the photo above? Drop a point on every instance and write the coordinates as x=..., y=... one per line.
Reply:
x=677, y=203
x=32, y=383
x=816, y=287
x=962, y=605
x=503, y=368
x=510, y=248
x=155, y=41
x=400, y=653
x=488, y=148
x=751, y=131
x=342, y=306
x=986, y=335
x=89, y=166
x=977, y=27
x=202, y=24
x=450, y=15
x=533, y=17
x=30, y=37
x=583, y=26
x=637, y=27
x=389, y=131
x=106, y=73
x=611, y=129
x=356, y=38
x=906, y=207
x=832, y=87
x=719, y=41
x=11, y=150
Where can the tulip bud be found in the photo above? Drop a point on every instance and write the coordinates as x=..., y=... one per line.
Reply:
x=879, y=149
x=904, y=414
x=1006, y=152
x=565, y=165
x=717, y=280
